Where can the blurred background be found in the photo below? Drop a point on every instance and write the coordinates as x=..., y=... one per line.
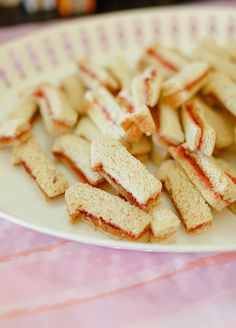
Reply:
x=13, y=12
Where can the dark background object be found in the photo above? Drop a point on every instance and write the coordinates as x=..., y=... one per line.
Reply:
x=18, y=15
x=112, y=5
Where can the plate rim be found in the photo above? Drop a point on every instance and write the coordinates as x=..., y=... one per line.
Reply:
x=120, y=244
x=100, y=16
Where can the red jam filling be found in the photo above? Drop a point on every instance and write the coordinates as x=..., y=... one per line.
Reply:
x=156, y=118
x=82, y=177
x=152, y=53
x=96, y=220
x=28, y=170
x=182, y=152
x=60, y=124
x=231, y=177
x=18, y=137
x=126, y=104
x=197, y=120
x=126, y=193
x=199, y=227
x=148, y=83
x=192, y=84
x=94, y=76
x=105, y=112
x=40, y=94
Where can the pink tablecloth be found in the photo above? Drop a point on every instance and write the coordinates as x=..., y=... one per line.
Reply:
x=48, y=282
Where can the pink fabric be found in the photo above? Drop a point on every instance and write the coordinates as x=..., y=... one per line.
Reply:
x=49, y=282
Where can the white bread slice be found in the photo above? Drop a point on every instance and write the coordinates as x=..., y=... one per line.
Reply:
x=159, y=152
x=199, y=134
x=25, y=109
x=146, y=87
x=48, y=177
x=209, y=45
x=124, y=172
x=141, y=147
x=94, y=76
x=169, y=131
x=186, y=83
x=57, y=113
x=127, y=105
x=14, y=132
x=222, y=124
x=104, y=110
x=143, y=118
x=215, y=186
x=221, y=90
x=194, y=212
x=107, y=212
x=119, y=67
x=87, y=129
x=231, y=174
x=167, y=61
x=164, y=224
x=75, y=152
x=73, y=88
x=217, y=58
x=230, y=50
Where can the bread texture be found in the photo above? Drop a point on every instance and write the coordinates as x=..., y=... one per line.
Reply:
x=225, y=166
x=105, y=112
x=221, y=90
x=48, y=177
x=74, y=89
x=138, y=117
x=216, y=57
x=145, y=91
x=87, y=129
x=191, y=206
x=159, y=152
x=166, y=60
x=107, y=212
x=168, y=128
x=124, y=172
x=56, y=110
x=199, y=134
x=230, y=49
x=186, y=83
x=25, y=109
x=215, y=186
x=119, y=67
x=146, y=87
x=75, y=152
x=94, y=76
x=141, y=147
x=13, y=132
x=222, y=124
x=164, y=224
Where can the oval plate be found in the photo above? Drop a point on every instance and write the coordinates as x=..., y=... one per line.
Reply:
x=48, y=55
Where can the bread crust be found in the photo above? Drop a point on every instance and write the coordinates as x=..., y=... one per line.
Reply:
x=192, y=208
x=111, y=230
x=48, y=177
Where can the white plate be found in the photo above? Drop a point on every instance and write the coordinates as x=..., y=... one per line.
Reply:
x=48, y=55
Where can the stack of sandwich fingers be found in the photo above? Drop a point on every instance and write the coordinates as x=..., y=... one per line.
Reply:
x=108, y=120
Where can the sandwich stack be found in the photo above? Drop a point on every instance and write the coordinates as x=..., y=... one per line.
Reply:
x=108, y=120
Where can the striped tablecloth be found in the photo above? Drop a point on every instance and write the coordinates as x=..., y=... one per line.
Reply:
x=49, y=282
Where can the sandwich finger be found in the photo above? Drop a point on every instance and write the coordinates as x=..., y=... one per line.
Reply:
x=194, y=212
x=129, y=176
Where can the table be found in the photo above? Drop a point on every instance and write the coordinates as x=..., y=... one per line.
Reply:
x=49, y=282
